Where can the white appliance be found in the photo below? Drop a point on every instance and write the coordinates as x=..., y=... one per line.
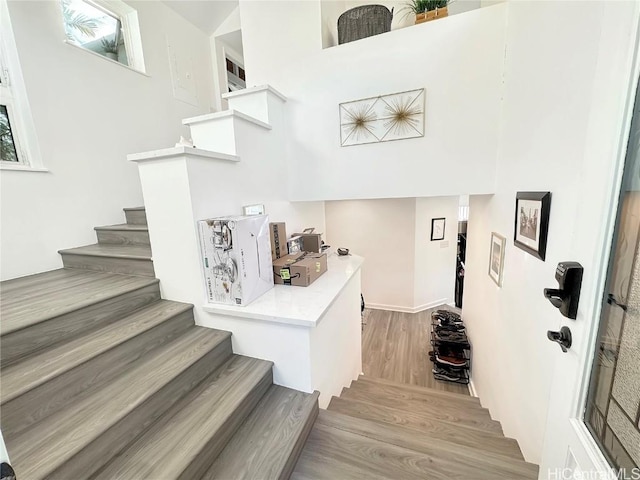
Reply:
x=236, y=258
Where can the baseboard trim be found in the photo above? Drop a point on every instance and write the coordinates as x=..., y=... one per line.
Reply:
x=398, y=308
x=472, y=389
x=427, y=306
x=390, y=308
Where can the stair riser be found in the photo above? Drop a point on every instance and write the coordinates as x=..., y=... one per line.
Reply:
x=136, y=217
x=477, y=418
x=414, y=391
x=114, y=440
x=216, y=444
x=25, y=410
x=123, y=237
x=125, y=266
x=414, y=398
x=297, y=451
x=362, y=379
x=21, y=344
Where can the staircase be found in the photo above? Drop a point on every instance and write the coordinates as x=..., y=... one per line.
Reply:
x=379, y=429
x=101, y=378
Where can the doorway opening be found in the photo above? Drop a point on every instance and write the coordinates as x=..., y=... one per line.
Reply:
x=463, y=219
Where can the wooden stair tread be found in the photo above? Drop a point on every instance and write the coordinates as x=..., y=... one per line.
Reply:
x=51, y=294
x=335, y=453
x=8, y=287
x=263, y=446
x=473, y=417
x=50, y=443
x=405, y=387
x=23, y=376
x=473, y=459
x=124, y=227
x=130, y=252
x=452, y=432
x=173, y=448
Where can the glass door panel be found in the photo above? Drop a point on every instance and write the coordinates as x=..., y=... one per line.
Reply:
x=613, y=406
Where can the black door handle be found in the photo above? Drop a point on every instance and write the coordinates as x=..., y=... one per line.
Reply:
x=611, y=300
x=562, y=338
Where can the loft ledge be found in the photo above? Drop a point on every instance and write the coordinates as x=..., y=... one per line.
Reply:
x=181, y=151
x=299, y=306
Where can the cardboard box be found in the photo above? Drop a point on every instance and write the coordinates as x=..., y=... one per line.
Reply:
x=236, y=258
x=278, y=234
x=311, y=242
x=299, y=269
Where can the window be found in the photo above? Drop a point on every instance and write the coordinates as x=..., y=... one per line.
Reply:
x=19, y=148
x=8, y=149
x=105, y=27
x=235, y=76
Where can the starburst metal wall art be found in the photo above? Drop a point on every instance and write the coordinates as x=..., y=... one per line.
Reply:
x=380, y=119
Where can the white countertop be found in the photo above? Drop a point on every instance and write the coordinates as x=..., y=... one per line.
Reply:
x=303, y=306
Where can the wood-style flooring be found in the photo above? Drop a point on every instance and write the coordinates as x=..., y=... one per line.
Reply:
x=426, y=435
x=395, y=346
x=101, y=378
x=397, y=422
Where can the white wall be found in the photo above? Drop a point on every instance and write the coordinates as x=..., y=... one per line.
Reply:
x=403, y=270
x=277, y=33
x=381, y=231
x=551, y=62
x=435, y=262
x=463, y=91
x=88, y=114
x=336, y=344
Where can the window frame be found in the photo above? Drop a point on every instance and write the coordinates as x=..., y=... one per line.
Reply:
x=13, y=94
x=7, y=101
x=128, y=18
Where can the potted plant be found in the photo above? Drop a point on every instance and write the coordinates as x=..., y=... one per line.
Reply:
x=426, y=10
x=110, y=48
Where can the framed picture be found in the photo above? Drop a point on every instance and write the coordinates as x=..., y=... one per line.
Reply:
x=496, y=257
x=532, y=222
x=437, y=228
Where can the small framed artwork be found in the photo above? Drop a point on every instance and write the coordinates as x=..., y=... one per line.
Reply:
x=532, y=222
x=437, y=228
x=496, y=257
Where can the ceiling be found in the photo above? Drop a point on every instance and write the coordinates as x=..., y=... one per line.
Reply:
x=207, y=15
x=234, y=40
